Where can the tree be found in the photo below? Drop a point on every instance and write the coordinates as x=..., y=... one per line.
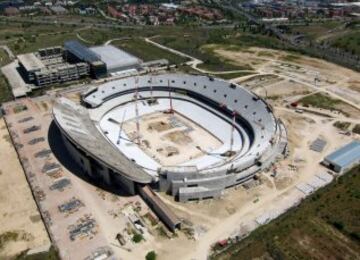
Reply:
x=150, y=255
x=137, y=238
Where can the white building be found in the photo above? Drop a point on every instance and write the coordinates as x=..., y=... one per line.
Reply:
x=116, y=59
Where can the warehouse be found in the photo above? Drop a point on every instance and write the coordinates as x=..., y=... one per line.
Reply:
x=344, y=158
x=116, y=59
x=77, y=52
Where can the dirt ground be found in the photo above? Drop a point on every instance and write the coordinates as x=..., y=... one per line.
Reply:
x=316, y=73
x=280, y=88
x=17, y=206
x=171, y=139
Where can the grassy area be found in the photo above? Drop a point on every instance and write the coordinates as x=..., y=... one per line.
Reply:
x=147, y=51
x=356, y=129
x=8, y=237
x=33, y=40
x=320, y=101
x=52, y=254
x=313, y=31
x=335, y=33
x=4, y=58
x=215, y=63
x=291, y=57
x=342, y=125
x=349, y=42
x=30, y=44
x=325, y=226
x=5, y=92
x=99, y=36
x=198, y=43
x=11, y=31
x=233, y=75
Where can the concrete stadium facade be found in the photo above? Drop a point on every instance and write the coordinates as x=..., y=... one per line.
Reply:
x=263, y=136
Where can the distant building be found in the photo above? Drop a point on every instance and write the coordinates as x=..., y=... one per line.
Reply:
x=76, y=52
x=169, y=6
x=11, y=11
x=116, y=59
x=11, y=3
x=344, y=158
x=114, y=13
x=45, y=10
x=58, y=10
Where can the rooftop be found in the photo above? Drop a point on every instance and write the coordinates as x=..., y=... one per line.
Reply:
x=346, y=155
x=81, y=51
x=30, y=62
x=115, y=58
x=74, y=120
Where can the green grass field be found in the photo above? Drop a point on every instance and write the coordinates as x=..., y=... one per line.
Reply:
x=325, y=226
x=11, y=31
x=335, y=33
x=232, y=75
x=196, y=42
x=349, y=42
x=98, y=36
x=4, y=58
x=320, y=101
x=31, y=44
x=5, y=92
x=313, y=31
x=147, y=52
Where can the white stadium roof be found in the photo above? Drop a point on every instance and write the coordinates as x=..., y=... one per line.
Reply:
x=115, y=59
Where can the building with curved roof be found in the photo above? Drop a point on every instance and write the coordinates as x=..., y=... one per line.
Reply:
x=116, y=59
x=190, y=136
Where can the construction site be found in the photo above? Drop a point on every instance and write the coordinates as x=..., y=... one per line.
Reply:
x=171, y=139
x=86, y=218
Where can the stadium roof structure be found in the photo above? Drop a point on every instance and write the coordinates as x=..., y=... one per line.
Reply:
x=114, y=58
x=346, y=155
x=78, y=126
x=81, y=51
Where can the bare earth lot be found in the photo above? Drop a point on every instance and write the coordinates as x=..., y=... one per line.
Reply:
x=17, y=206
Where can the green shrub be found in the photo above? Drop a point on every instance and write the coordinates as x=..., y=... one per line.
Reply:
x=150, y=255
x=137, y=238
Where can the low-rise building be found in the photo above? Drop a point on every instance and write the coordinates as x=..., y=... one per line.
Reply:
x=47, y=67
x=58, y=10
x=116, y=59
x=344, y=158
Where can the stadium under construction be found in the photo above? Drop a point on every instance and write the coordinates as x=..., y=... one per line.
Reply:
x=190, y=136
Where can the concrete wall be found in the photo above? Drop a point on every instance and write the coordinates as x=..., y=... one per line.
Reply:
x=79, y=158
x=95, y=170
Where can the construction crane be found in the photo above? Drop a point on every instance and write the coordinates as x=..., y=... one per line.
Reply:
x=171, y=110
x=112, y=120
x=121, y=128
x=137, y=110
